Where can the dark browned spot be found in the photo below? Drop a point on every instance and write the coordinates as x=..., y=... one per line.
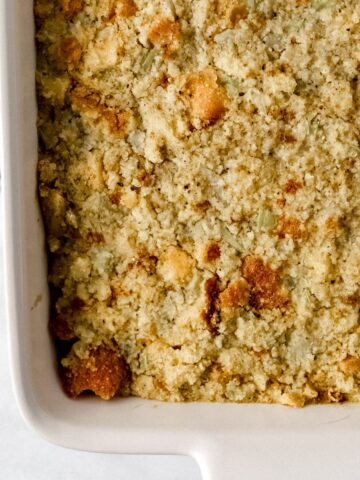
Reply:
x=112, y=14
x=211, y=312
x=280, y=113
x=117, y=121
x=145, y=260
x=95, y=237
x=70, y=50
x=236, y=13
x=60, y=328
x=290, y=226
x=286, y=137
x=331, y=396
x=71, y=8
x=145, y=178
x=127, y=8
x=212, y=252
x=164, y=80
x=292, y=186
x=77, y=304
x=202, y=206
x=351, y=299
x=115, y=197
x=265, y=287
x=281, y=202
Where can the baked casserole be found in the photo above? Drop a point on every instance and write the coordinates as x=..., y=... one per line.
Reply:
x=199, y=180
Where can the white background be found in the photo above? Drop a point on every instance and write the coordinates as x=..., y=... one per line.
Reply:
x=26, y=456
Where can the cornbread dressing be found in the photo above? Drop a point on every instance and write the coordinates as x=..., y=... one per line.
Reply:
x=199, y=172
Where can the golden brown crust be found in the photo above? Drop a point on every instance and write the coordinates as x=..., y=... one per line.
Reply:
x=83, y=98
x=103, y=372
x=235, y=295
x=198, y=175
x=290, y=226
x=292, y=186
x=293, y=399
x=236, y=12
x=207, y=99
x=176, y=265
x=265, y=291
x=71, y=7
x=350, y=365
x=331, y=396
x=166, y=34
x=70, y=50
x=127, y=8
x=89, y=103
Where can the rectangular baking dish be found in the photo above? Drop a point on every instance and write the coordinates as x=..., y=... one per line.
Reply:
x=228, y=441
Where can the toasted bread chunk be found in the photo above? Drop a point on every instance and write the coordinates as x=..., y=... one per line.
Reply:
x=127, y=8
x=290, y=226
x=176, y=265
x=350, y=365
x=207, y=99
x=70, y=50
x=265, y=291
x=103, y=372
x=71, y=7
x=165, y=33
x=235, y=295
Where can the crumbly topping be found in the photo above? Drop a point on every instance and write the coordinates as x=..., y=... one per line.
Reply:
x=198, y=175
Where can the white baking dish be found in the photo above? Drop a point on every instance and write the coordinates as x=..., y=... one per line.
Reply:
x=228, y=441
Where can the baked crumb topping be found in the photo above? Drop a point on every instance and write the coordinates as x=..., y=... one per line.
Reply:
x=198, y=175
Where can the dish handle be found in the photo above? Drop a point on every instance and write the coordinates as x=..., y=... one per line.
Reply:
x=295, y=455
x=217, y=463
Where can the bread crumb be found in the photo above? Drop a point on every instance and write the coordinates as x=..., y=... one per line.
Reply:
x=175, y=265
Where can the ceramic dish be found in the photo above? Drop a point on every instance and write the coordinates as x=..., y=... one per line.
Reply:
x=228, y=441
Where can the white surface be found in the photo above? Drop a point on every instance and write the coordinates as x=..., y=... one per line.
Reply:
x=26, y=456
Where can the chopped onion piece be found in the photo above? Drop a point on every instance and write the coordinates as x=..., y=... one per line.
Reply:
x=231, y=240
x=148, y=59
x=265, y=219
